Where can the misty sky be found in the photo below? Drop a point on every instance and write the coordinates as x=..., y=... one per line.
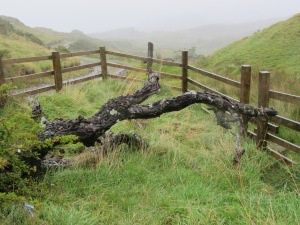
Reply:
x=92, y=16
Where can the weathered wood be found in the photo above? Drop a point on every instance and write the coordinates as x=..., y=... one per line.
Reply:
x=103, y=63
x=263, y=89
x=294, y=99
x=283, y=143
x=216, y=77
x=113, y=76
x=144, y=59
x=238, y=146
x=292, y=124
x=125, y=78
x=245, y=84
x=141, y=81
x=115, y=65
x=202, y=86
x=245, y=94
x=169, y=75
x=35, y=91
x=73, y=54
x=57, y=71
x=184, y=61
x=30, y=76
x=173, y=87
x=111, y=140
x=74, y=68
x=25, y=60
x=149, y=58
x=271, y=127
x=263, y=101
x=81, y=79
x=281, y=157
x=127, y=107
x=167, y=63
x=274, y=153
x=2, y=78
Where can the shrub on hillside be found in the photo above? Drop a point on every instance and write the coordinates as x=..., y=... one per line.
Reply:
x=5, y=53
x=83, y=45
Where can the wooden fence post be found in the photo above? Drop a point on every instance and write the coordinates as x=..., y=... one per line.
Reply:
x=263, y=101
x=2, y=78
x=103, y=63
x=57, y=71
x=149, y=56
x=245, y=93
x=184, y=60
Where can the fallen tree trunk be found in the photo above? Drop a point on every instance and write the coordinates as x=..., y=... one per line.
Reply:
x=88, y=130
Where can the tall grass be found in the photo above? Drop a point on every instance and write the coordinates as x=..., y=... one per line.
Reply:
x=185, y=175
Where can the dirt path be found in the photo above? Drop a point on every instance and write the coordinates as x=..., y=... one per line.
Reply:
x=93, y=72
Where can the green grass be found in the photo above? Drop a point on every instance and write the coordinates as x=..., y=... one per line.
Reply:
x=185, y=176
x=275, y=49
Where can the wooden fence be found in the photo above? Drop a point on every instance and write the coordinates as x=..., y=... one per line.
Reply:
x=260, y=134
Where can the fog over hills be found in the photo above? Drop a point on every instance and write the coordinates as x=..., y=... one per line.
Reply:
x=206, y=38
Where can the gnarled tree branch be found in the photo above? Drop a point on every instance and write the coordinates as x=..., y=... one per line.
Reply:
x=127, y=107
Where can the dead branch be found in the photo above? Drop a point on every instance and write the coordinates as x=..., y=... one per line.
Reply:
x=88, y=130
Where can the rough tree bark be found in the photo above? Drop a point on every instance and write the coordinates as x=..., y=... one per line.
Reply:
x=88, y=130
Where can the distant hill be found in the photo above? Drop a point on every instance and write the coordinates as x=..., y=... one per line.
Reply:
x=275, y=49
x=206, y=39
x=21, y=40
x=15, y=42
x=18, y=40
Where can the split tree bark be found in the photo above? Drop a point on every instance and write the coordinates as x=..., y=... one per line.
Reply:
x=88, y=130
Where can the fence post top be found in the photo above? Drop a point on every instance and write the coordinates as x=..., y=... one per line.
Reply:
x=246, y=66
x=264, y=72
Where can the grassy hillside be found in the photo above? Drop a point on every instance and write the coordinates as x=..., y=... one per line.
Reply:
x=19, y=43
x=50, y=39
x=185, y=175
x=275, y=49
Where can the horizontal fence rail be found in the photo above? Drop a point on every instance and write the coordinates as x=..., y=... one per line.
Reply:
x=81, y=79
x=115, y=65
x=292, y=124
x=35, y=91
x=260, y=134
x=284, y=97
x=274, y=153
x=74, y=54
x=126, y=55
x=169, y=75
x=30, y=76
x=210, y=89
x=74, y=68
x=216, y=77
x=26, y=60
